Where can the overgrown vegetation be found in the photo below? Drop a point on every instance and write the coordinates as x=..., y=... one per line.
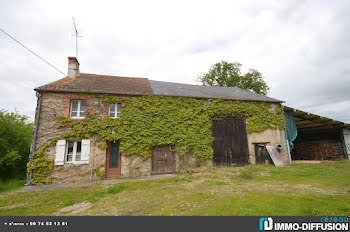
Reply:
x=15, y=139
x=300, y=189
x=150, y=121
x=42, y=166
x=12, y=184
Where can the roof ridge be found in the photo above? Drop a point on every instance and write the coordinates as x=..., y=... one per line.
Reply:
x=93, y=74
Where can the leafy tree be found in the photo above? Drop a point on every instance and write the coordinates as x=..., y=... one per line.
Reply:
x=15, y=140
x=229, y=74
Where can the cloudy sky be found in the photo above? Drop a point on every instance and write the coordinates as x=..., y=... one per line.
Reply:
x=301, y=47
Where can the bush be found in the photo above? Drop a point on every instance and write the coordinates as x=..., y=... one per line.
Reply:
x=15, y=140
x=9, y=185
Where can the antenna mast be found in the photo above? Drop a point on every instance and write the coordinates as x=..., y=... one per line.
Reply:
x=76, y=34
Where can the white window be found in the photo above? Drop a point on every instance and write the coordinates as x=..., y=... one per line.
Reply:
x=73, y=152
x=114, y=110
x=77, y=109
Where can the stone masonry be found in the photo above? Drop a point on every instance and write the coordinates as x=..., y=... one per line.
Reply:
x=58, y=104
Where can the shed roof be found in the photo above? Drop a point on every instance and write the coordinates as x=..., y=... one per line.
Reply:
x=309, y=121
x=93, y=83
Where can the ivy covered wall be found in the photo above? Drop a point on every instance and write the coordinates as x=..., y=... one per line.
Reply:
x=150, y=121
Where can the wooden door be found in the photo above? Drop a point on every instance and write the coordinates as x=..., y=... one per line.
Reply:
x=163, y=160
x=113, y=160
x=230, y=144
x=260, y=149
x=220, y=156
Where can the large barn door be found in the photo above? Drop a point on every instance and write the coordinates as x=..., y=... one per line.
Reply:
x=163, y=160
x=230, y=144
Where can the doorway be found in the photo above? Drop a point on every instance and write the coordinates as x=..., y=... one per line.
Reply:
x=163, y=160
x=230, y=141
x=113, y=160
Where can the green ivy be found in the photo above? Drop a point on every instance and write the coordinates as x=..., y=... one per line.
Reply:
x=150, y=121
x=100, y=170
x=42, y=166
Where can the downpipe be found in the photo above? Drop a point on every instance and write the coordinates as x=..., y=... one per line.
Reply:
x=32, y=150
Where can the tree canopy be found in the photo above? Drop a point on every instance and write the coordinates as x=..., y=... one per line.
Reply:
x=229, y=74
x=15, y=140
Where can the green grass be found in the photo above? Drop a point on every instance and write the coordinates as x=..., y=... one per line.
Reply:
x=10, y=185
x=300, y=189
x=96, y=196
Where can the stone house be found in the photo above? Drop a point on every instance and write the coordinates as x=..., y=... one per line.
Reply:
x=69, y=129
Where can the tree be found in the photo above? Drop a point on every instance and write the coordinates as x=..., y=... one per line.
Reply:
x=15, y=140
x=229, y=74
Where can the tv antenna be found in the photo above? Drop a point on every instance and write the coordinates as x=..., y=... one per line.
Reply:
x=76, y=34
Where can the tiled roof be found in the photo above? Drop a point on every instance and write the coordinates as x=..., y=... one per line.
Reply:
x=93, y=83
x=199, y=91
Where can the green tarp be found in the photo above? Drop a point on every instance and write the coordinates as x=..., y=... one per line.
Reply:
x=291, y=129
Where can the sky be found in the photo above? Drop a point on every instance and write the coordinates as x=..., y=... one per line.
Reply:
x=301, y=47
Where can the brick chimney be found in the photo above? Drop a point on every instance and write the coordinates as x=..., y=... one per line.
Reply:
x=73, y=67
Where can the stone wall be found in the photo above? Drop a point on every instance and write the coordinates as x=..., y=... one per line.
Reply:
x=271, y=138
x=58, y=104
x=135, y=166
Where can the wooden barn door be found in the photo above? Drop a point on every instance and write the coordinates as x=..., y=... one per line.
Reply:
x=113, y=160
x=260, y=149
x=163, y=160
x=230, y=144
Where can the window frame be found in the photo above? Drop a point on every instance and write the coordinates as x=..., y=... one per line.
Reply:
x=116, y=112
x=78, y=109
x=74, y=154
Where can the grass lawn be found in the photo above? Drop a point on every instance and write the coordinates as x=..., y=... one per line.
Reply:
x=300, y=189
x=11, y=185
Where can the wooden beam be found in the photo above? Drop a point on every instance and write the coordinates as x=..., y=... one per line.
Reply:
x=326, y=121
x=337, y=123
x=305, y=118
x=310, y=125
x=317, y=128
x=304, y=122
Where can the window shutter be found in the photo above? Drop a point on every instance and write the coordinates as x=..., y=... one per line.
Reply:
x=60, y=150
x=85, y=151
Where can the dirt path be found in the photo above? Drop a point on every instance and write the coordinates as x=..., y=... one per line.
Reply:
x=36, y=188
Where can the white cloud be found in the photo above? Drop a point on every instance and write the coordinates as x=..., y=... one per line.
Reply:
x=301, y=47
